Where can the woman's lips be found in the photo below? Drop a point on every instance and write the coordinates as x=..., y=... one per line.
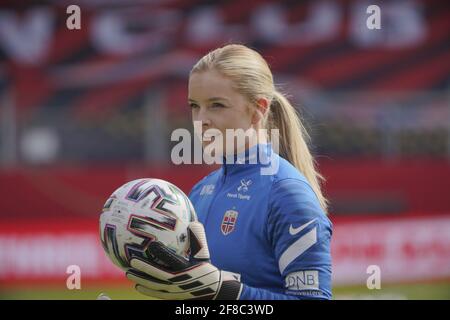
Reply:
x=209, y=137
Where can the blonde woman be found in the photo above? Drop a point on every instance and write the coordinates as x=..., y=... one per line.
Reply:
x=261, y=235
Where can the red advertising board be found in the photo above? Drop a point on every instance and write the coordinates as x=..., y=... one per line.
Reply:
x=415, y=248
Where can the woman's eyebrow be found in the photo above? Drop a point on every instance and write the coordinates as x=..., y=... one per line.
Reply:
x=210, y=99
x=217, y=98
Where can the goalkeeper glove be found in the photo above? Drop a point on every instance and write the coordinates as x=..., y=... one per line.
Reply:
x=174, y=278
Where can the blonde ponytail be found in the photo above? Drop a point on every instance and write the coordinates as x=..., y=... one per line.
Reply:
x=293, y=142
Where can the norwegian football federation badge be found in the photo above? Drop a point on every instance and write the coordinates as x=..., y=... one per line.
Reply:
x=228, y=222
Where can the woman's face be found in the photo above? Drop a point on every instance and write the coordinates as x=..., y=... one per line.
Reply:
x=218, y=105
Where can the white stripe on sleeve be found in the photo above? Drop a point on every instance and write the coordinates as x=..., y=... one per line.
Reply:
x=297, y=248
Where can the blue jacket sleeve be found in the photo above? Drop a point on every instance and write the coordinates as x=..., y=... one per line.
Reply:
x=300, y=234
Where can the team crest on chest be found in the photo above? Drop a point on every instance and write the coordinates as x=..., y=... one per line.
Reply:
x=228, y=222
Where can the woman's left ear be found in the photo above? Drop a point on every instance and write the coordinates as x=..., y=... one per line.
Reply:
x=262, y=106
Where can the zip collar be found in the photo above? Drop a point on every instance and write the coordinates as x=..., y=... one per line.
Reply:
x=254, y=157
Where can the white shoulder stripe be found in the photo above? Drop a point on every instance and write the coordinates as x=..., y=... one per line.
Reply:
x=297, y=248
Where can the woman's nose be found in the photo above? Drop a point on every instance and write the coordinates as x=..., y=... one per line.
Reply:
x=203, y=116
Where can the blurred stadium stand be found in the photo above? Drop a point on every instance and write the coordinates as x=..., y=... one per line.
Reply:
x=83, y=111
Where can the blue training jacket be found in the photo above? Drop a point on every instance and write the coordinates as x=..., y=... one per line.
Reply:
x=267, y=227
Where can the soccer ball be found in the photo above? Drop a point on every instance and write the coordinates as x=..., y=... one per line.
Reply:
x=142, y=211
